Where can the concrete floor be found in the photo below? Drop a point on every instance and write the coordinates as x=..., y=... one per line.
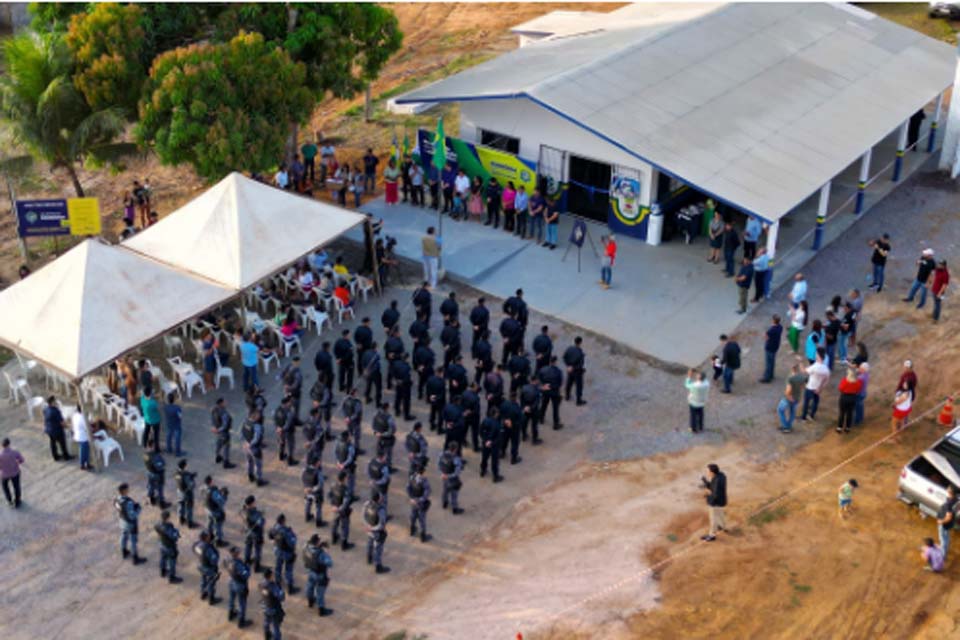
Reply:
x=666, y=301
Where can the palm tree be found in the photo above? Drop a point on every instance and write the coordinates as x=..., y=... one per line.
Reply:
x=49, y=116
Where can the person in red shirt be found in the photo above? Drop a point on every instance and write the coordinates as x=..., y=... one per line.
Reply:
x=609, y=257
x=941, y=278
x=909, y=378
x=343, y=294
x=849, y=388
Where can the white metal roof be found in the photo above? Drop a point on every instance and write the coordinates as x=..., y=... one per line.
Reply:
x=757, y=104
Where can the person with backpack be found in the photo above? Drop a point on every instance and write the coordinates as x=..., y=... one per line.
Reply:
x=215, y=500
x=284, y=419
x=418, y=491
x=352, y=410
x=271, y=603
x=322, y=397
x=253, y=447
x=222, y=422
x=128, y=513
x=341, y=501
x=239, y=572
x=317, y=562
x=345, y=456
x=168, y=536
x=253, y=523
x=312, y=479
x=285, y=551
x=378, y=472
x=292, y=377
x=186, y=481
x=375, y=518
x=209, y=561
x=156, y=467
x=385, y=431
x=730, y=359
x=450, y=465
x=416, y=446
x=402, y=375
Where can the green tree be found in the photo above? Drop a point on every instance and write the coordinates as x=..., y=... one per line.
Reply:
x=47, y=113
x=108, y=45
x=223, y=107
x=53, y=16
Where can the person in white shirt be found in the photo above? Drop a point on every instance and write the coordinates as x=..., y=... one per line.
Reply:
x=280, y=178
x=81, y=435
x=799, y=291
x=461, y=183
x=819, y=375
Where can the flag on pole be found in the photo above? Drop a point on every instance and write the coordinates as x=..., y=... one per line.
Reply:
x=439, y=146
x=395, y=147
x=406, y=143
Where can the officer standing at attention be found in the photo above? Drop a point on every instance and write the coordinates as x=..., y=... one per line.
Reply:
x=239, y=572
x=385, y=431
x=480, y=319
x=222, y=423
x=323, y=363
x=352, y=410
x=168, y=535
x=576, y=365
x=343, y=352
x=322, y=397
x=393, y=349
x=416, y=446
x=285, y=423
x=402, y=375
x=378, y=471
x=423, y=303
x=372, y=372
x=451, y=466
x=551, y=380
x=519, y=368
x=292, y=378
x=186, y=482
x=482, y=354
x=436, y=397
x=453, y=424
x=317, y=562
x=493, y=386
x=253, y=522
x=129, y=514
x=491, y=434
x=390, y=318
x=516, y=306
x=312, y=479
x=346, y=457
x=271, y=603
x=450, y=339
x=542, y=348
x=340, y=501
x=450, y=309
x=156, y=467
x=456, y=376
x=420, y=331
x=511, y=415
x=284, y=550
x=511, y=332
x=530, y=405
x=209, y=559
x=424, y=362
x=470, y=402
x=418, y=490
x=253, y=447
x=375, y=516
x=215, y=499
x=363, y=339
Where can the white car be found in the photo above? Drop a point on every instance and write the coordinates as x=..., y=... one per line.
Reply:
x=950, y=10
x=924, y=480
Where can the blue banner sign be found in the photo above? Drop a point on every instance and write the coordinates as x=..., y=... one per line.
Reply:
x=42, y=218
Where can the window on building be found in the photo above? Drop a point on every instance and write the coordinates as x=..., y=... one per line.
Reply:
x=500, y=141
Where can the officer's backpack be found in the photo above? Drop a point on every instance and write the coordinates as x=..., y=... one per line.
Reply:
x=381, y=423
x=446, y=464
x=309, y=477
x=211, y=501
x=343, y=451
x=371, y=513
x=310, y=559
x=317, y=390
x=253, y=518
x=280, y=416
x=413, y=443
x=248, y=431
x=416, y=488
x=338, y=493
x=375, y=470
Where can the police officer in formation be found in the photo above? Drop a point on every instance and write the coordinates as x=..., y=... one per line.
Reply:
x=209, y=562
x=323, y=363
x=285, y=421
x=222, y=422
x=390, y=318
x=156, y=468
x=271, y=603
x=480, y=320
x=453, y=423
x=128, y=513
x=352, y=410
x=372, y=372
x=424, y=361
x=530, y=405
x=493, y=386
x=450, y=465
x=511, y=417
x=519, y=368
x=403, y=378
x=542, y=348
x=375, y=517
x=320, y=415
x=253, y=447
x=340, y=501
x=284, y=550
x=482, y=354
x=363, y=338
x=416, y=446
x=253, y=524
x=551, y=381
x=450, y=308
x=470, y=403
x=255, y=399
x=491, y=436
x=239, y=572
x=385, y=431
x=516, y=306
x=451, y=341
x=436, y=397
x=419, y=330
x=186, y=485
x=343, y=352
x=392, y=350
x=423, y=302
x=215, y=501
x=168, y=536
x=292, y=378
x=418, y=491
x=456, y=376
x=345, y=455
x=314, y=446
x=378, y=471
x=512, y=334
x=312, y=479
x=318, y=563
x=575, y=360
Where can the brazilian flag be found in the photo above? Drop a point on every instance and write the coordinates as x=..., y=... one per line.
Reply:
x=439, y=146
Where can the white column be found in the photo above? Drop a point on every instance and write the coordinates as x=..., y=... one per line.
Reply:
x=862, y=184
x=772, y=231
x=654, y=223
x=951, y=134
x=822, y=207
x=935, y=124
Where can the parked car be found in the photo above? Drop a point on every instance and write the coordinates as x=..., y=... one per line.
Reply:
x=949, y=10
x=923, y=481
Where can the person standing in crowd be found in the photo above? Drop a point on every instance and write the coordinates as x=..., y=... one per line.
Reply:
x=10, y=461
x=792, y=392
x=831, y=335
x=433, y=181
x=908, y=377
x=881, y=249
x=391, y=176
x=318, y=563
x=271, y=603
x=509, y=198
x=418, y=492
x=946, y=520
x=798, y=320
x=798, y=293
x=551, y=379
x=925, y=267
x=849, y=390
x=845, y=497
x=475, y=199
x=770, y=347
x=447, y=178
x=697, y=387
x=249, y=358
x=344, y=354
x=491, y=433
x=81, y=435
x=551, y=217
x=185, y=481
x=751, y=235
x=902, y=406
x=537, y=214
x=405, y=182
x=53, y=427
x=606, y=262
x=309, y=152
x=715, y=491
x=848, y=327
x=730, y=359
x=375, y=517
x=370, y=162
x=128, y=513
x=863, y=375
x=253, y=523
x=761, y=275
x=253, y=446
x=817, y=376
x=173, y=416
x=731, y=241
x=744, y=279
x=215, y=502
x=716, y=238
x=168, y=536
x=493, y=193
x=417, y=196
x=285, y=551
x=521, y=203
x=239, y=572
x=450, y=466
x=576, y=361
x=431, y=244
x=941, y=279
x=150, y=410
x=222, y=423
x=815, y=341
x=461, y=185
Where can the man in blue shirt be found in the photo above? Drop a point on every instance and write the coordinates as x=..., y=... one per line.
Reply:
x=249, y=355
x=172, y=414
x=761, y=274
x=770, y=348
x=537, y=212
x=750, y=237
x=520, y=204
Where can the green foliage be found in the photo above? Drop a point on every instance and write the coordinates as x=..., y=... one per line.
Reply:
x=223, y=107
x=108, y=44
x=54, y=16
x=169, y=25
x=768, y=516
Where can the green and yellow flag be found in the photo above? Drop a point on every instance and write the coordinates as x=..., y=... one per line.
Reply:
x=439, y=147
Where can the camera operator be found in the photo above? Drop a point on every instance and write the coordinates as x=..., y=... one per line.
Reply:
x=715, y=491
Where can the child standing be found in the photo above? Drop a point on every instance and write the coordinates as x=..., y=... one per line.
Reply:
x=845, y=496
x=458, y=209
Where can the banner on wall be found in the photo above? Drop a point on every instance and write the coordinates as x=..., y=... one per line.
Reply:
x=480, y=161
x=58, y=217
x=627, y=215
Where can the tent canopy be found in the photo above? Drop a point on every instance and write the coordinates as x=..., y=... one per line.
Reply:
x=98, y=301
x=241, y=231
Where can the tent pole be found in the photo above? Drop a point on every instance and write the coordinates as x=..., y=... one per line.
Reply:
x=371, y=247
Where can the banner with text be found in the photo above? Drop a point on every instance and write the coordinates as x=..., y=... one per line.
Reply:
x=480, y=161
x=58, y=217
x=627, y=215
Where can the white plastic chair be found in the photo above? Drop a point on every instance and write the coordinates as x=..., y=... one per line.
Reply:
x=105, y=445
x=26, y=365
x=342, y=310
x=19, y=388
x=198, y=348
x=223, y=372
x=272, y=358
x=36, y=402
x=189, y=380
x=172, y=343
x=318, y=318
x=289, y=344
x=364, y=286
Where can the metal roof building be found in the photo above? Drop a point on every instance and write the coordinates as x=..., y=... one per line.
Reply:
x=756, y=105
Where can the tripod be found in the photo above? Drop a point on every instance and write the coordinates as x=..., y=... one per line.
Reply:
x=588, y=238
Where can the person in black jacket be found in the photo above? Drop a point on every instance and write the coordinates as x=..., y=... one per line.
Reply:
x=542, y=348
x=436, y=397
x=715, y=491
x=575, y=360
x=323, y=362
x=482, y=354
x=480, y=319
x=730, y=359
x=343, y=352
x=551, y=380
x=390, y=317
x=450, y=308
x=424, y=362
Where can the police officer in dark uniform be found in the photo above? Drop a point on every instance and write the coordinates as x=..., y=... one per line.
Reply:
x=292, y=378
x=450, y=309
x=418, y=491
x=343, y=352
x=317, y=562
x=156, y=467
x=490, y=435
x=542, y=348
x=253, y=447
x=493, y=387
x=322, y=397
x=575, y=360
x=239, y=572
x=551, y=381
x=214, y=501
x=512, y=335
x=416, y=446
x=482, y=354
x=456, y=376
x=168, y=535
x=419, y=331
x=530, y=405
x=128, y=512
x=312, y=427
x=363, y=338
x=519, y=368
x=372, y=373
x=312, y=479
x=209, y=559
x=271, y=603
x=450, y=339
x=375, y=517
x=284, y=550
x=511, y=415
x=323, y=363
x=285, y=421
x=480, y=319
x=424, y=362
x=470, y=402
x=453, y=424
x=390, y=317
x=346, y=459
x=450, y=465
x=402, y=375
x=378, y=472
x=385, y=431
x=516, y=306
x=437, y=397
x=423, y=302
x=393, y=349
x=352, y=410
x=255, y=400
x=340, y=501
x=222, y=423
x=186, y=483
x=253, y=523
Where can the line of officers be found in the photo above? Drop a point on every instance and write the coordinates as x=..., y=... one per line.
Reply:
x=455, y=407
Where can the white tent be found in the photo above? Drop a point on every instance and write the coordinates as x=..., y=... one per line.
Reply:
x=241, y=231
x=98, y=301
